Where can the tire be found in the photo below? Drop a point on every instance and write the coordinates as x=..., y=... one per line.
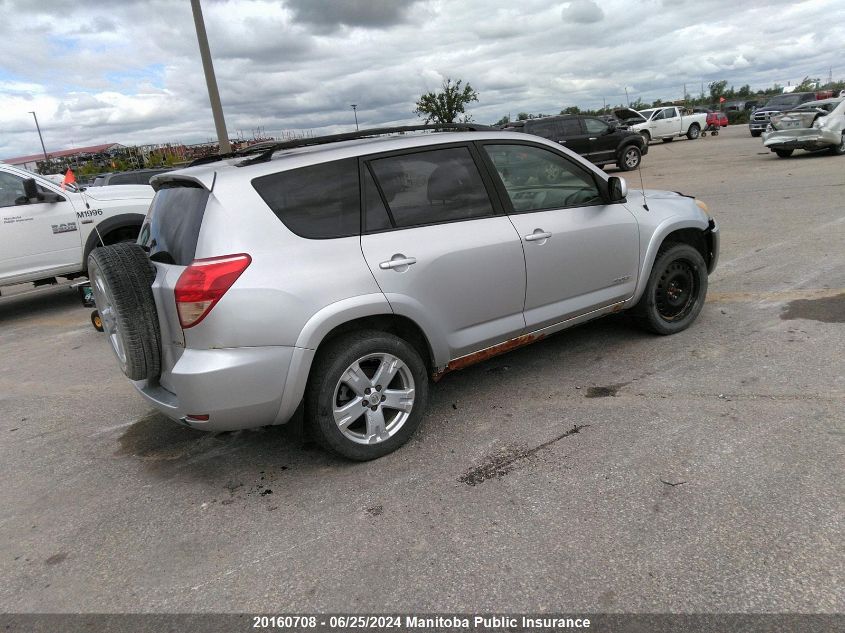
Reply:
x=354, y=433
x=675, y=292
x=121, y=276
x=756, y=133
x=668, y=139
x=839, y=150
x=629, y=158
x=784, y=153
x=694, y=131
x=646, y=137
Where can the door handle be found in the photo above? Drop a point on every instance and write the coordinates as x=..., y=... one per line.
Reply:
x=397, y=261
x=538, y=234
x=592, y=138
x=562, y=142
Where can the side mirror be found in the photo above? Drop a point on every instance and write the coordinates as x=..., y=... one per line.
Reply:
x=617, y=189
x=30, y=189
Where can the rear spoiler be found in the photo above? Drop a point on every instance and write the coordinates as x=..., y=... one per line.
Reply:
x=205, y=179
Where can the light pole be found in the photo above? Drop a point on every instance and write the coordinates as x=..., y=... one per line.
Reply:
x=38, y=127
x=354, y=107
x=210, y=80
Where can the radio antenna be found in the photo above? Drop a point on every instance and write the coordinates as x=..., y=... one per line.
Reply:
x=642, y=186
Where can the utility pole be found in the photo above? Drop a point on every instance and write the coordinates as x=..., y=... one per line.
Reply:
x=354, y=107
x=626, y=97
x=210, y=80
x=40, y=138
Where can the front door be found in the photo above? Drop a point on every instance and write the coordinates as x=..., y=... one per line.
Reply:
x=35, y=236
x=580, y=253
x=602, y=140
x=439, y=249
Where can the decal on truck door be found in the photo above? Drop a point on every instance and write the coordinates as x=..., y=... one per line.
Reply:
x=66, y=227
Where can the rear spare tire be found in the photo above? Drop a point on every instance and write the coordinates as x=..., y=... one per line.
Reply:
x=121, y=276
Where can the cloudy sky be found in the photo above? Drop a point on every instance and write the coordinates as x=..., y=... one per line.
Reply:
x=129, y=71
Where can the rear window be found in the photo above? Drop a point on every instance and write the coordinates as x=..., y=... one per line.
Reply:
x=318, y=202
x=173, y=222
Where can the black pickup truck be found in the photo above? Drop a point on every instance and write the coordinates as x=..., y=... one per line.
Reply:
x=598, y=141
x=760, y=117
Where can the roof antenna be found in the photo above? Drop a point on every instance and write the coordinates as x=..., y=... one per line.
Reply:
x=642, y=186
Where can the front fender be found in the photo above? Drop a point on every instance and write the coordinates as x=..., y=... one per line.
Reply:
x=666, y=227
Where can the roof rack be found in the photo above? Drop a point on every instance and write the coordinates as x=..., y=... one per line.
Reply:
x=266, y=149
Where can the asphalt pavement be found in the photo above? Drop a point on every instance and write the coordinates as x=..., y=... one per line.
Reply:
x=600, y=470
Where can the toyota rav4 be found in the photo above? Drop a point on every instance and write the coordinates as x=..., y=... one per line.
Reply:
x=347, y=273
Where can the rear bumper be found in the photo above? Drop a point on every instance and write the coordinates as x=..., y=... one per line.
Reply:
x=237, y=388
x=801, y=138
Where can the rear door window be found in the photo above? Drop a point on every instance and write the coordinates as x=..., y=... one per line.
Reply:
x=317, y=202
x=173, y=222
x=429, y=187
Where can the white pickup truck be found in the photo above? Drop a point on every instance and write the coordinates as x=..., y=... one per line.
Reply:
x=47, y=232
x=666, y=123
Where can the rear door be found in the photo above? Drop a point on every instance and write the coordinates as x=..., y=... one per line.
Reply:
x=602, y=141
x=576, y=137
x=580, y=253
x=440, y=249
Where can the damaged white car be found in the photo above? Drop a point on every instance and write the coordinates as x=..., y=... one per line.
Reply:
x=812, y=126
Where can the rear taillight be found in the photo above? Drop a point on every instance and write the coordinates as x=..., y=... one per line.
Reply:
x=202, y=284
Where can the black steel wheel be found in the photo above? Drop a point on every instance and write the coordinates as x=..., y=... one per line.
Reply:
x=675, y=292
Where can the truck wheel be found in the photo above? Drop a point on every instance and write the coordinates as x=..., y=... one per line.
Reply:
x=694, y=131
x=121, y=276
x=675, y=292
x=784, y=153
x=367, y=394
x=630, y=158
x=839, y=150
x=756, y=133
x=646, y=137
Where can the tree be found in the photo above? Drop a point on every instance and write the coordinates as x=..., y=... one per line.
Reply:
x=807, y=84
x=446, y=105
x=717, y=88
x=524, y=116
x=503, y=120
x=571, y=110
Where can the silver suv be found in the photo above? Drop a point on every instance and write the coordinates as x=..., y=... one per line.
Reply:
x=346, y=273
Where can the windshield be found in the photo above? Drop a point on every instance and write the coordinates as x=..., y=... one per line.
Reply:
x=647, y=113
x=784, y=100
x=819, y=105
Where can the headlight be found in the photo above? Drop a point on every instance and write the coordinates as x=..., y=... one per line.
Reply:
x=701, y=205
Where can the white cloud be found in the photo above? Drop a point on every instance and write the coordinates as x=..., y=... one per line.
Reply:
x=134, y=75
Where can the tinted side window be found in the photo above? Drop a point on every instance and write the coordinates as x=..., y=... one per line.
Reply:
x=594, y=126
x=537, y=178
x=317, y=202
x=570, y=127
x=122, y=179
x=173, y=222
x=546, y=129
x=434, y=186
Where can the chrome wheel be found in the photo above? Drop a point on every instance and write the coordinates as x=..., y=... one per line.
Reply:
x=373, y=398
x=632, y=158
x=108, y=316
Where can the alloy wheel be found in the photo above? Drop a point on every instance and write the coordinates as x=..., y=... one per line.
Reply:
x=373, y=398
